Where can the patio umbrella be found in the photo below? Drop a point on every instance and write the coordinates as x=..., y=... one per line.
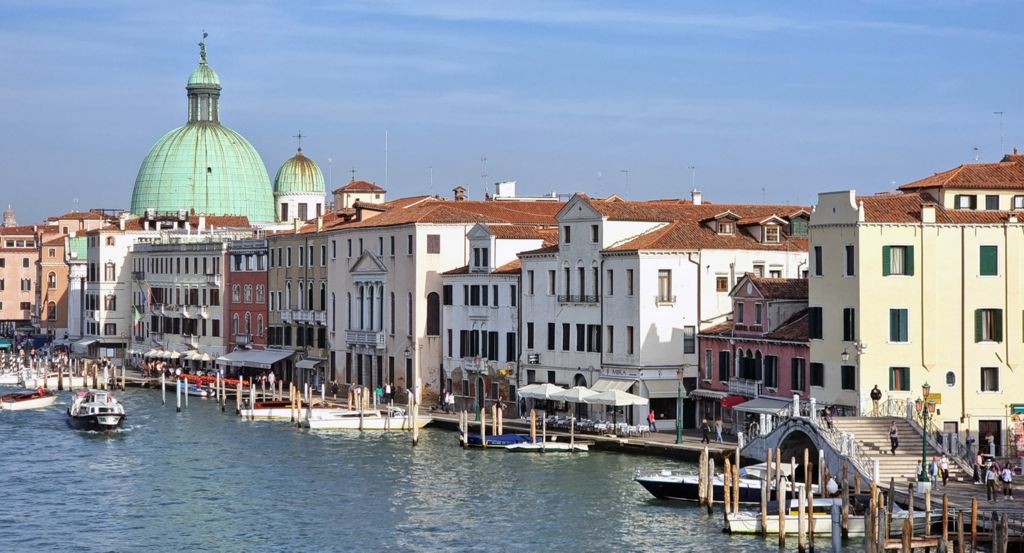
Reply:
x=173, y=355
x=540, y=391
x=576, y=394
x=205, y=357
x=616, y=398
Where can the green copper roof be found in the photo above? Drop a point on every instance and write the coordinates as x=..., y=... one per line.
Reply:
x=299, y=174
x=207, y=167
x=203, y=75
x=79, y=246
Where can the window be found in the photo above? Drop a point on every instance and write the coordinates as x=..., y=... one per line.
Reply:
x=594, y=234
x=759, y=269
x=260, y=293
x=897, y=260
x=236, y=293
x=408, y=244
x=629, y=282
x=849, y=324
x=725, y=227
x=594, y=338
x=992, y=202
x=708, y=368
x=51, y=280
x=288, y=256
x=771, y=371
x=965, y=201
x=510, y=346
x=629, y=340
x=898, y=325
x=51, y=311
x=350, y=247
x=513, y=296
x=110, y=329
x=408, y=300
x=565, y=336
x=665, y=285
x=110, y=303
x=529, y=282
x=446, y=292
x=757, y=313
x=551, y=336
x=771, y=234
x=850, y=261
x=988, y=257
x=551, y=282
x=989, y=379
x=567, y=234
x=26, y=284
x=950, y=378
x=109, y=272
x=609, y=283
x=110, y=240
x=1018, y=202
x=740, y=309
x=723, y=366
x=899, y=379
x=302, y=257
x=798, y=376
x=814, y=323
x=323, y=255
x=434, y=244
x=818, y=375
x=433, y=314
x=721, y=284
x=611, y=339
x=988, y=325
x=817, y=261
x=247, y=294
x=847, y=377
x=581, y=337
x=689, y=339
x=391, y=245
x=529, y=335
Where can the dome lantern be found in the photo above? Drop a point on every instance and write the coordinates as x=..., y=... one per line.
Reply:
x=203, y=90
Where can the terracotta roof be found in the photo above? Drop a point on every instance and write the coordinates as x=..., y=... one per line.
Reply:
x=359, y=186
x=780, y=288
x=212, y=221
x=434, y=210
x=58, y=241
x=510, y=268
x=906, y=208
x=523, y=232
x=82, y=216
x=553, y=248
x=27, y=230
x=1005, y=174
x=794, y=329
x=463, y=270
x=692, y=234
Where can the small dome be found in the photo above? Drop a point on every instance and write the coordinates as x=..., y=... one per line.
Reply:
x=299, y=174
x=204, y=75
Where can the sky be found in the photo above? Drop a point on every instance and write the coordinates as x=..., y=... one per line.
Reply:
x=750, y=101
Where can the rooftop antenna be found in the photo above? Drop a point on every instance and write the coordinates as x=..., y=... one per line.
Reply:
x=977, y=153
x=1000, y=114
x=483, y=173
x=385, y=159
x=76, y=204
x=693, y=176
x=430, y=171
x=353, y=171
x=626, y=172
x=300, y=136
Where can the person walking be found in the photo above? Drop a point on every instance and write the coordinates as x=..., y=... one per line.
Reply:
x=933, y=469
x=650, y=421
x=876, y=396
x=1006, y=475
x=894, y=437
x=944, y=469
x=969, y=439
x=705, y=428
x=979, y=468
x=718, y=430
x=990, y=481
x=990, y=441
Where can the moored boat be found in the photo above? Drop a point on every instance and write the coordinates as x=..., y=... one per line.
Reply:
x=749, y=522
x=95, y=410
x=548, y=447
x=668, y=485
x=37, y=399
x=362, y=419
x=271, y=410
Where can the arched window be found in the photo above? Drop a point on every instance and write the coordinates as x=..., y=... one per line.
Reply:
x=259, y=325
x=248, y=323
x=110, y=240
x=51, y=311
x=323, y=296
x=362, y=308
x=236, y=293
x=369, y=307
x=109, y=272
x=334, y=313
x=302, y=292
x=287, y=296
x=392, y=307
x=409, y=300
x=433, y=314
x=260, y=293
x=234, y=324
x=348, y=309
x=247, y=296
x=309, y=295
x=51, y=280
x=380, y=308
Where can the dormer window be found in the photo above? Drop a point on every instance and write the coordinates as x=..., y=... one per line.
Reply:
x=481, y=258
x=771, y=234
x=725, y=227
x=567, y=234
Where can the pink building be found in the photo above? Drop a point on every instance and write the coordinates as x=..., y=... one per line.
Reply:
x=762, y=354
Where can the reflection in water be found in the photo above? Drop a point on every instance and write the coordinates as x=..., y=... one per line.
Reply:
x=203, y=480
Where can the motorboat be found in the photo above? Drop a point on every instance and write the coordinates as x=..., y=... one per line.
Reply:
x=394, y=418
x=95, y=410
x=498, y=441
x=10, y=379
x=271, y=410
x=749, y=522
x=24, y=401
x=666, y=484
x=196, y=390
x=548, y=447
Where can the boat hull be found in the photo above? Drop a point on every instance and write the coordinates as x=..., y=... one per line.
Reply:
x=747, y=522
x=547, y=447
x=104, y=422
x=271, y=413
x=686, y=488
x=394, y=423
x=27, y=404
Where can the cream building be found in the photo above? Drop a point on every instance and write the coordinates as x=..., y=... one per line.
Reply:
x=904, y=292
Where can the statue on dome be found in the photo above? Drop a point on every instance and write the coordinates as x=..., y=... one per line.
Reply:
x=202, y=48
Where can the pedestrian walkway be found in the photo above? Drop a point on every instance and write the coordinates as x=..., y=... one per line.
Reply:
x=872, y=435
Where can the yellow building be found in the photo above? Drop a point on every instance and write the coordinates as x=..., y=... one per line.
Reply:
x=904, y=291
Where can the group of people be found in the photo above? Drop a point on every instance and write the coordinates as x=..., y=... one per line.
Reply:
x=992, y=473
x=938, y=468
x=705, y=429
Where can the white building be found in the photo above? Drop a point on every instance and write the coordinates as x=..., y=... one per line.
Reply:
x=480, y=317
x=617, y=303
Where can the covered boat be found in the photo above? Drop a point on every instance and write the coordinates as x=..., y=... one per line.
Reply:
x=271, y=410
x=362, y=419
x=37, y=399
x=668, y=485
x=95, y=410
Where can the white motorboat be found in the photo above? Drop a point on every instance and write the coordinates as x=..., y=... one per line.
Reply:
x=749, y=522
x=24, y=401
x=395, y=419
x=95, y=410
x=280, y=410
x=10, y=379
x=666, y=484
x=548, y=447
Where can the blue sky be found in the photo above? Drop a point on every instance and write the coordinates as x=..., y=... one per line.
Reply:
x=769, y=100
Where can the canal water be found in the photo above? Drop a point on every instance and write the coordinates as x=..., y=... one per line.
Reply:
x=202, y=480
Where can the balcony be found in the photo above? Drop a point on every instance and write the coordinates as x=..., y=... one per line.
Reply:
x=373, y=338
x=138, y=275
x=664, y=300
x=576, y=299
x=286, y=315
x=745, y=387
x=213, y=279
x=320, y=318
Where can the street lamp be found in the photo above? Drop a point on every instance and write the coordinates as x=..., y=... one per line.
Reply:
x=679, y=406
x=925, y=408
x=845, y=356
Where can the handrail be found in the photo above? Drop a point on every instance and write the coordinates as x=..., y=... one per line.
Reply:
x=857, y=456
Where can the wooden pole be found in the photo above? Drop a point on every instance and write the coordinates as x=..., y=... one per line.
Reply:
x=945, y=523
x=960, y=541
x=163, y=388
x=908, y=535
x=238, y=396
x=780, y=493
x=846, y=500
x=809, y=496
x=710, y=482
x=765, y=490
x=801, y=521
x=856, y=483
x=727, y=488
x=974, y=524
x=494, y=419
x=927, y=512
x=1004, y=533
x=533, y=425
x=702, y=467
x=483, y=427
x=871, y=519
x=890, y=503
x=177, y=394
x=735, y=488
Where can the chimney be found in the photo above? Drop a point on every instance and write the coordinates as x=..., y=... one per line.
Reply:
x=121, y=220
x=298, y=224
x=928, y=213
x=697, y=196
x=460, y=193
x=202, y=223
x=319, y=223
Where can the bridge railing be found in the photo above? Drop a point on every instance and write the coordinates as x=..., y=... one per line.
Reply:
x=848, y=448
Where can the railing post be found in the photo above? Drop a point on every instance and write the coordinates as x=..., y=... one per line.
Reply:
x=843, y=444
x=910, y=409
x=739, y=440
x=796, y=405
x=814, y=410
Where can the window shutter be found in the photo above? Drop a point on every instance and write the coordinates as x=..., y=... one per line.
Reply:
x=978, y=322
x=891, y=379
x=998, y=315
x=905, y=378
x=894, y=325
x=909, y=261
x=989, y=260
x=886, y=270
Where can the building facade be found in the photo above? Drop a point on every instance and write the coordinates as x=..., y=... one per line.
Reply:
x=246, y=294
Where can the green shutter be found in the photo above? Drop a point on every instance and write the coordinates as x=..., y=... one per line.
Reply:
x=998, y=314
x=909, y=252
x=905, y=377
x=894, y=325
x=891, y=380
x=886, y=270
x=978, y=322
x=989, y=260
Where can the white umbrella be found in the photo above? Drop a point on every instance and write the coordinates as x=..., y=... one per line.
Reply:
x=173, y=355
x=540, y=391
x=616, y=398
x=205, y=357
x=576, y=394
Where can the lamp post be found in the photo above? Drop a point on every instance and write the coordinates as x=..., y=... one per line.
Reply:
x=679, y=406
x=925, y=408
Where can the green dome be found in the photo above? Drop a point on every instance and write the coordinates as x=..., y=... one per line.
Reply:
x=299, y=174
x=203, y=75
x=206, y=167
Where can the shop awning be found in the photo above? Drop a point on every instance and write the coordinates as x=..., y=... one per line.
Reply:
x=765, y=405
x=607, y=384
x=729, y=402
x=663, y=388
x=81, y=346
x=308, y=363
x=259, y=359
x=709, y=394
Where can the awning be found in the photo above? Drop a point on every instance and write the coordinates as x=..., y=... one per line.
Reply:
x=663, y=389
x=765, y=405
x=82, y=345
x=606, y=384
x=259, y=359
x=309, y=363
x=705, y=393
x=732, y=401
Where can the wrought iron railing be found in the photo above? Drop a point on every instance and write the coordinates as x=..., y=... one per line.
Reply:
x=572, y=298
